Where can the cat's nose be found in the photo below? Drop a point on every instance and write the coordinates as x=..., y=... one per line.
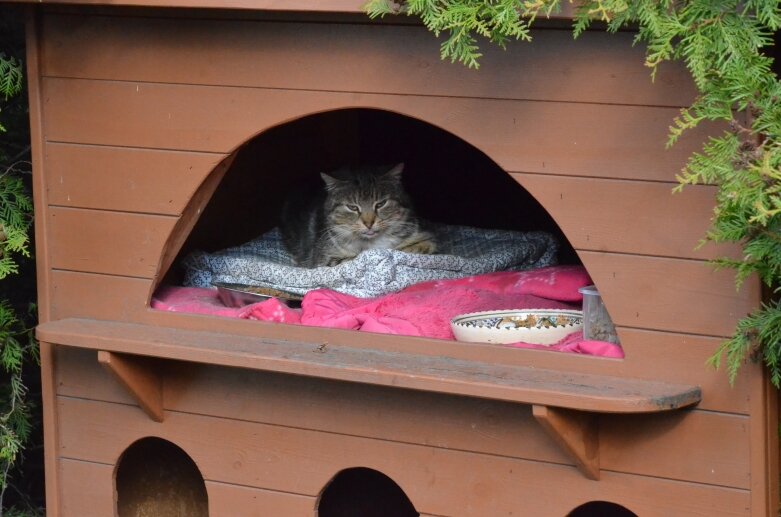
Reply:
x=368, y=220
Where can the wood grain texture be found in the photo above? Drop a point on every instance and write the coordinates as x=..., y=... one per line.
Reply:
x=107, y=242
x=124, y=179
x=687, y=436
x=670, y=294
x=227, y=500
x=141, y=377
x=189, y=217
x=629, y=216
x=42, y=263
x=437, y=481
x=764, y=441
x=441, y=375
x=309, y=56
x=650, y=355
x=576, y=433
x=524, y=136
x=650, y=445
x=87, y=489
x=339, y=6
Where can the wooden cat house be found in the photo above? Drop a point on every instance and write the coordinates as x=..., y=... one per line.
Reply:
x=161, y=127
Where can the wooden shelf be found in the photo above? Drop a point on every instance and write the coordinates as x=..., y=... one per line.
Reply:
x=566, y=404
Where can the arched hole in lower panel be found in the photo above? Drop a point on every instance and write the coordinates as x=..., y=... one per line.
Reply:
x=601, y=509
x=483, y=222
x=362, y=492
x=156, y=477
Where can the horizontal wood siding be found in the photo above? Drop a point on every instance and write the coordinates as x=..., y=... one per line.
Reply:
x=228, y=500
x=107, y=242
x=521, y=136
x=123, y=179
x=669, y=294
x=594, y=212
x=86, y=488
x=669, y=445
x=438, y=481
x=597, y=68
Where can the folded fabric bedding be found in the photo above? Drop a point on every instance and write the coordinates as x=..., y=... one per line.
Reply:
x=463, y=251
x=420, y=310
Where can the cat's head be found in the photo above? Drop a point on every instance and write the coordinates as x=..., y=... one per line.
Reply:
x=367, y=205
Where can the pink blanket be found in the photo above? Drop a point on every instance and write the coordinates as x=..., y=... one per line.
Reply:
x=423, y=309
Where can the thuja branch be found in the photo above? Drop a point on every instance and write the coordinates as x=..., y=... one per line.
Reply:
x=720, y=42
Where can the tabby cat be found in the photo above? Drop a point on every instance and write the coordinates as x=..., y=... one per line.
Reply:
x=354, y=211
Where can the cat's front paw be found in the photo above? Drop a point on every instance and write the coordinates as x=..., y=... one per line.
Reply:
x=421, y=247
x=335, y=261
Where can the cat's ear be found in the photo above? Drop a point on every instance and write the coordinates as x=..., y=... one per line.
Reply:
x=395, y=172
x=330, y=181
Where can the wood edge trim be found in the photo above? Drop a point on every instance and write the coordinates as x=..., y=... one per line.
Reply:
x=33, y=29
x=188, y=218
x=576, y=433
x=140, y=377
x=112, y=337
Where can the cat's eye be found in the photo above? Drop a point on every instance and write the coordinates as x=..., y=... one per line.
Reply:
x=353, y=208
x=380, y=204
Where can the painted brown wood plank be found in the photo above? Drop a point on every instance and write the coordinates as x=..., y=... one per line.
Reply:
x=576, y=433
x=764, y=441
x=78, y=375
x=227, y=500
x=295, y=6
x=190, y=216
x=486, y=426
x=141, y=377
x=107, y=242
x=644, y=445
x=124, y=179
x=543, y=137
x=87, y=488
x=437, y=481
x=670, y=294
x=312, y=56
x=347, y=6
x=663, y=356
x=629, y=216
x=442, y=375
x=631, y=441
x=75, y=294
x=683, y=358
x=42, y=262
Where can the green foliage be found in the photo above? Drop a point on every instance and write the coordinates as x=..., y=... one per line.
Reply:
x=18, y=349
x=10, y=77
x=721, y=43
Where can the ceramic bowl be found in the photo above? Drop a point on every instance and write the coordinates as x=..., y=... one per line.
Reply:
x=536, y=326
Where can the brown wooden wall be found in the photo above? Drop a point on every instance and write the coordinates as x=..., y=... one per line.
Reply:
x=133, y=111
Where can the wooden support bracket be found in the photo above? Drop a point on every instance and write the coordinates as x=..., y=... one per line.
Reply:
x=576, y=432
x=140, y=376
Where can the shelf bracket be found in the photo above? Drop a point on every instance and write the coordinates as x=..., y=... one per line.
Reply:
x=576, y=433
x=140, y=376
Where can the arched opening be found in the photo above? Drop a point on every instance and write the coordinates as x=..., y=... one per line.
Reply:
x=359, y=492
x=450, y=182
x=601, y=509
x=156, y=477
